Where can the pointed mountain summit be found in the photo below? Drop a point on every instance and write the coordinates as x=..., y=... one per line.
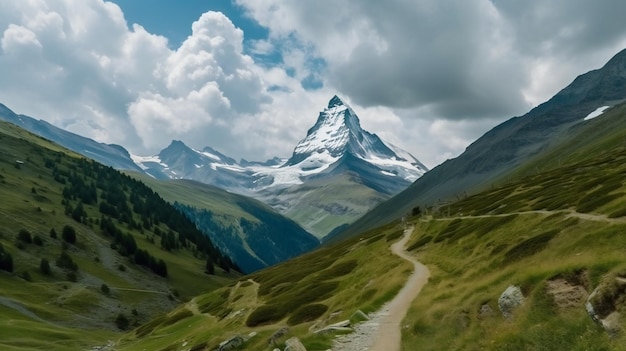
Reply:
x=337, y=132
x=337, y=142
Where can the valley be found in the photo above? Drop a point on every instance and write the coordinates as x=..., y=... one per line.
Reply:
x=350, y=243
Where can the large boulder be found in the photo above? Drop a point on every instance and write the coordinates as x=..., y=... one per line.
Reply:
x=604, y=302
x=277, y=335
x=510, y=299
x=294, y=344
x=231, y=343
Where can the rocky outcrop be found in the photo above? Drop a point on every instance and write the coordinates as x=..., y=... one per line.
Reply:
x=294, y=344
x=231, y=344
x=339, y=326
x=277, y=335
x=510, y=299
x=603, y=304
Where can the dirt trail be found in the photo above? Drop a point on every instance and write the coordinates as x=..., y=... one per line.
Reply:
x=389, y=333
x=383, y=331
x=568, y=213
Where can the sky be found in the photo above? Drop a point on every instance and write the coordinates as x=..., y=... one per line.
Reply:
x=249, y=77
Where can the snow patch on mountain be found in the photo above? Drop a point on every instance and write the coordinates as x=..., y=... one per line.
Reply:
x=596, y=113
x=336, y=134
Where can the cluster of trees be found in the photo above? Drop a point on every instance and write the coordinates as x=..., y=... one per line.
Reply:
x=123, y=200
x=125, y=244
x=6, y=260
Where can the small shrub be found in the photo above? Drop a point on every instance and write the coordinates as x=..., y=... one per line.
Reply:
x=53, y=233
x=395, y=235
x=178, y=316
x=530, y=246
x=26, y=276
x=307, y=313
x=421, y=242
x=263, y=315
x=121, y=268
x=6, y=260
x=37, y=240
x=69, y=234
x=66, y=261
x=122, y=322
x=24, y=236
x=44, y=267
x=72, y=277
x=340, y=269
x=105, y=289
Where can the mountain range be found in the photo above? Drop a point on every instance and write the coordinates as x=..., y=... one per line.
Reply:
x=336, y=154
x=495, y=156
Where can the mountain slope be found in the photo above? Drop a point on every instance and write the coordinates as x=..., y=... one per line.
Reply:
x=88, y=244
x=336, y=173
x=500, y=151
x=250, y=232
x=108, y=154
x=557, y=253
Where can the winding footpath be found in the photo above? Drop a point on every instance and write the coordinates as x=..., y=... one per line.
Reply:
x=383, y=331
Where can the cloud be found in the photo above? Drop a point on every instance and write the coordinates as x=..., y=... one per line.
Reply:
x=461, y=59
x=430, y=76
x=92, y=74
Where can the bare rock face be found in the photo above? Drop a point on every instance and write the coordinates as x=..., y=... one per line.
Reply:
x=604, y=302
x=231, y=344
x=566, y=295
x=277, y=335
x=294, y=344
x=510, y=299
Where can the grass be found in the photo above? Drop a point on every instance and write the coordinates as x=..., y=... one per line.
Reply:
x=310, y=291
x=474, y=259
x=74, y=315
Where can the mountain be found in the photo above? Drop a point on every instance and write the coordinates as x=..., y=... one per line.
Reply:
x=109, y=154
x=268, y=237
x=335, y=174
x=500, y=151
x=553, y=237
x=250, y=232
x=87, y=251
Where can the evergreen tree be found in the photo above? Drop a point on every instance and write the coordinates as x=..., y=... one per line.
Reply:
x=6, y=260
x=210, y=268
x=44, y=267
x=69, y=234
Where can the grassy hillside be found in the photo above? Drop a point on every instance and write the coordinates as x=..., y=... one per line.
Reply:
x=250, y=232
x=87, y=251
x=321, y=206
x=557, y=235
x=303, y=294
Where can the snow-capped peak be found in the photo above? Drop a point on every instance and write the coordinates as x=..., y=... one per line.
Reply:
x=338, y=133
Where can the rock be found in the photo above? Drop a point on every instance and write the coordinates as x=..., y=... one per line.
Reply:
x=294, y=344
x=612, y=324
x=485, y=311
x=360, y=315
x=339, y=326
x=510, y=299
x=609, y=319
x=231, y=343
x=277, y=335
x=566, y=295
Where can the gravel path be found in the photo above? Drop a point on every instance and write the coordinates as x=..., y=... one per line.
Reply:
x=383, y=331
